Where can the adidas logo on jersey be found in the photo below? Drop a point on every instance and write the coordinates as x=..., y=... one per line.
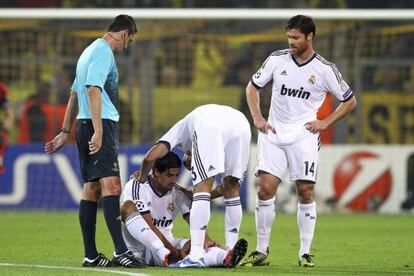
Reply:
x=211, y=168
x=283, y=73
x=234, y=230
x=298, y=93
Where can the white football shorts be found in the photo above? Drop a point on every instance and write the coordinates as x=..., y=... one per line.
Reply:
x=300, y=157
x=221, y=148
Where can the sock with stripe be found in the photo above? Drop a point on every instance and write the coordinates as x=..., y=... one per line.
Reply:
x=232, y=220
x=199, y=218
x=265, y=215
x=140, y=230
x=306, y=217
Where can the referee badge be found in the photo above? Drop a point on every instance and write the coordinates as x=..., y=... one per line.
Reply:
x=170, y=207
x=312, y=79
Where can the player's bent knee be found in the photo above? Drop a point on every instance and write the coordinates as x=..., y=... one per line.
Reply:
x=127, y=208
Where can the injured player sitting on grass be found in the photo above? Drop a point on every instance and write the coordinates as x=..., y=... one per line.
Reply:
x=148, y=210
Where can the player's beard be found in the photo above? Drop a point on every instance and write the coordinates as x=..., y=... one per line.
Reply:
x=298, y=50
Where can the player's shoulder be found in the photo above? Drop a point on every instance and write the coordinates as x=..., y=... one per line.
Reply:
x=277, y=57
x=327, y=66
x=324, y=63
x=281, y=53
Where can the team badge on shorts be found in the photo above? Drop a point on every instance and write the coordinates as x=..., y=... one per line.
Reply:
x=170, y=207
x=312, y=79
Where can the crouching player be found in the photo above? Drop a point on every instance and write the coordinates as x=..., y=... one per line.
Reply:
x=148, y=211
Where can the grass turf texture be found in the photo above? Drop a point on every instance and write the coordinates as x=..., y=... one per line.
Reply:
x=343, y=244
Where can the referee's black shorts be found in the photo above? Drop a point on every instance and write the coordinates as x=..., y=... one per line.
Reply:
x=104, y=163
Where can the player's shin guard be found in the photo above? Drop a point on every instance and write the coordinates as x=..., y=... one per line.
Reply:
x=306, y=217
x=199, y=218
x=139, y=229
x=232, y=220
x=265, y=215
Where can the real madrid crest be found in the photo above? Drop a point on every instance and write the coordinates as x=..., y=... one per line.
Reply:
x=170, y=207
x=312, y=79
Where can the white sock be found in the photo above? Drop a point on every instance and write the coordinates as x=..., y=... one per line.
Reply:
x=232, y=220
x=139, y=229
x=199, y=218
x=306, y=221
x=214, y=256
x=265, y=215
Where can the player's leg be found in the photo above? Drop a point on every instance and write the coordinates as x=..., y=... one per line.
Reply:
x=303, y=158
x=233, y=212
x=272, y=164
x=199, y=217
x=138, y=228
x=237, y=151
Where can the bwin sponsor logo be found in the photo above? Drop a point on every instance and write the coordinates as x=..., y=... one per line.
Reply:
x=161, y=222
x=298, y=93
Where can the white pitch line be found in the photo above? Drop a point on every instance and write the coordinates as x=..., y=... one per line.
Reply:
x=74, y=268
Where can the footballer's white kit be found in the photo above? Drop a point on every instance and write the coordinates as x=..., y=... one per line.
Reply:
x=219, y=139
x=298, y=91
x=163, y=209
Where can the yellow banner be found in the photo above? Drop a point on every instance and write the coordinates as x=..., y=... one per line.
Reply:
x=387, y=118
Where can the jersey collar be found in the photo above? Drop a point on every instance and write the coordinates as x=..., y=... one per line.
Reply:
x=153, y=189
x=303, y=64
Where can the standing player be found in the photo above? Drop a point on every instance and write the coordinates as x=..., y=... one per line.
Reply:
x=219, y=139
x=95, y=93
x=290, y=137
x=148, y=211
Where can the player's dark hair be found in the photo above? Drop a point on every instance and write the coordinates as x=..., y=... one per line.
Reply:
x=170, y=160
x=122, y=22
x=302, y=22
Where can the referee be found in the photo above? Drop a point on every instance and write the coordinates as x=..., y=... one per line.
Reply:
x=94, y=98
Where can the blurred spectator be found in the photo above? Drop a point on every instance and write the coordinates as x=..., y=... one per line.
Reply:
x=6, y=122
x=126, y=123
x=39, y=120
x=323, y=112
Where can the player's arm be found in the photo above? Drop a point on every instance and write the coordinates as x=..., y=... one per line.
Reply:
x=156, y=152
x=341, y=111
x=148, y=219
x=253, y=101
x=70, y=114
x=95, y=106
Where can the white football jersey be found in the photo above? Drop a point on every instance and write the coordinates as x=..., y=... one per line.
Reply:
x=218, y=137
x=298, y=90
x=163, y=207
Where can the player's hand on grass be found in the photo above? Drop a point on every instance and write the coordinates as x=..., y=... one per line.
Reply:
x=262, y=125
x=315, y=126
x=57, y=142
x=95, y=143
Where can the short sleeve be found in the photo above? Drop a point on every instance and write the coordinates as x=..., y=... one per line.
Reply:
x=136, y=192
x=265, y=73
x=99, y=68
x=336, y=85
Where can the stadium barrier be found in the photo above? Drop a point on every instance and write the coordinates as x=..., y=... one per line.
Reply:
x=360, y=178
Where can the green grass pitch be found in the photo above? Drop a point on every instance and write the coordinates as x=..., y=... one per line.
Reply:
x=49, y=243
